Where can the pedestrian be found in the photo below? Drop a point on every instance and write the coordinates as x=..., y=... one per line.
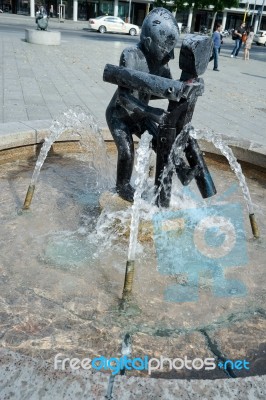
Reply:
x=216, y=38
x=248, y=43
x=237, y=34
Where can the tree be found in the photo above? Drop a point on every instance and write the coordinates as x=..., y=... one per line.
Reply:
x=182, y=5
x=218, y=5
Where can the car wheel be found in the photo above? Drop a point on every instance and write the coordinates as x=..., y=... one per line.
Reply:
x=132, y=32
x=102, y=29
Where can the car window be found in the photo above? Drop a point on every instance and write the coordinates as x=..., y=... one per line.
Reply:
x=111, y=19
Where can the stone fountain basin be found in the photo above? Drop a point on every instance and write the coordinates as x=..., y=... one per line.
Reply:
x=50, y=303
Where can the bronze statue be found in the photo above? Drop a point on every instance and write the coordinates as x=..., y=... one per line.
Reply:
x=41, y=19
x=144, y=74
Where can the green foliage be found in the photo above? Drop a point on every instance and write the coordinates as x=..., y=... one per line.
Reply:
x=219, y=5
x=164, y=4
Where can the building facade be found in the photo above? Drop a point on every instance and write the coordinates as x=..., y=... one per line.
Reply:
x=82, y=9
x=254, y=13
x=135, y=10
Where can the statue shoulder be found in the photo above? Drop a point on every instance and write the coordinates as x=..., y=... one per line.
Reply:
x=132, y=57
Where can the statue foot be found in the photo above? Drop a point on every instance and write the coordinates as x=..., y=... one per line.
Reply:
x=126, y=192
x=187, y=174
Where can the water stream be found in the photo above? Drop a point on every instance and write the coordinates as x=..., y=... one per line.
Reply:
x=142, y=169
x=67, y=120
x=228, y=153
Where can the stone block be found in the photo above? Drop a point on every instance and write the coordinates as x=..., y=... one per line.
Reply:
x=47, y=38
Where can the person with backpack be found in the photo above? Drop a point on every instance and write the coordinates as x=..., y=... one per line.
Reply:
x=237, y=37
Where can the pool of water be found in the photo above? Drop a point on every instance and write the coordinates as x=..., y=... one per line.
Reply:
x=62, y=266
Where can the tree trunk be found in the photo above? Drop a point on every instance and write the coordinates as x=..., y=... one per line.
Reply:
x=213, y=21
x=193, y=20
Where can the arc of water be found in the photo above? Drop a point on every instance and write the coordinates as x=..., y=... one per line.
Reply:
x=67, y=120
x=236, y=168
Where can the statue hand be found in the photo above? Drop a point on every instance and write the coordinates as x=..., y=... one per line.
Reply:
x=157, y=115
x=192, y=88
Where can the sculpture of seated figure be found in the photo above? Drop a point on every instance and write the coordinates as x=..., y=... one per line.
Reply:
x=143, y=75
x=41, y=19
x=128, y=112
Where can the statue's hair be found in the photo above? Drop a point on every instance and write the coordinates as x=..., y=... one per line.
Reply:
x=159, y=22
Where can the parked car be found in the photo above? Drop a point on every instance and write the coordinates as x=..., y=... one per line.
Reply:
x=260, y=38
x=108, y=23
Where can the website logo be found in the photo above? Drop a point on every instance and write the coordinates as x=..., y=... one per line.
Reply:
x=197, y=241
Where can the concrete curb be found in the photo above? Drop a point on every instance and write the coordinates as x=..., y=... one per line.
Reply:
x=30, y=133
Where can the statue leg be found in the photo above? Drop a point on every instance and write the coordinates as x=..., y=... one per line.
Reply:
x=125, y=161
x=203, y=178
x=185, y=173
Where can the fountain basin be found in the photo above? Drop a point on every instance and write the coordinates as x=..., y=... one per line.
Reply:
x=47, y=38
x=58, y=299
x=26, y=135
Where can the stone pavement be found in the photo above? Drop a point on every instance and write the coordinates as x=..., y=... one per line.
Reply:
x=39, y=82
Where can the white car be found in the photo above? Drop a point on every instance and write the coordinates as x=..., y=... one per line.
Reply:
x=260, y=38
x=108, y=23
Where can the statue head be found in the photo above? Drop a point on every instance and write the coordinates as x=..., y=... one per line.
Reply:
x=159, y=35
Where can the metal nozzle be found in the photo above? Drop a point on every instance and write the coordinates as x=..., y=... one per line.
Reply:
x=28, y=197
x=129, y=276
x=254, y=226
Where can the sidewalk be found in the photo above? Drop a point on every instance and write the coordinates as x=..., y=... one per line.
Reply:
x=39, y=82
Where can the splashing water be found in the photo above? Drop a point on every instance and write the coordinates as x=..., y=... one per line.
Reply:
x=66, y=120
x=228, y=153
x=142, y=169
x=77, y=122
x=177, y=152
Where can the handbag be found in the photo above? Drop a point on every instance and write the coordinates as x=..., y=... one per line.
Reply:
x=244, y=37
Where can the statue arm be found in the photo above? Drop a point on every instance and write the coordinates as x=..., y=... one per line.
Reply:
x=164, y=73
x=134, y=105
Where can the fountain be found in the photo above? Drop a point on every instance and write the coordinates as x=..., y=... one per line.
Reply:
x=198, y=287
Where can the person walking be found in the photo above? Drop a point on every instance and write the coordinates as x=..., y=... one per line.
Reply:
x=238, y=39
x=248, y=43
x=216, y=38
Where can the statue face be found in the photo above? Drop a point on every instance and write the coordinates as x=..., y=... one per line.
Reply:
x=159, y=34
x=162, y=50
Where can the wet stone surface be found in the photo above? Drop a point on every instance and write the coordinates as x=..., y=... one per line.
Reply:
x=62, y=268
